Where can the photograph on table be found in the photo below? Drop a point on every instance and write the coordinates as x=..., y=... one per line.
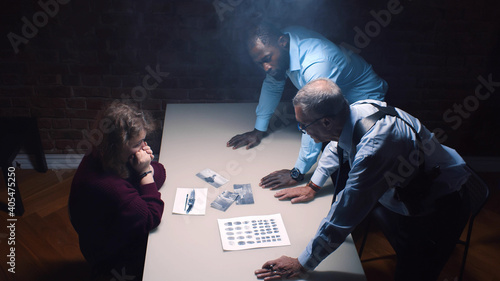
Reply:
x=224, y=200
x=245, y=194
x=212, y=178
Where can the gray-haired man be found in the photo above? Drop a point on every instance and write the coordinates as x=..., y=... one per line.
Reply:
x=393, y=171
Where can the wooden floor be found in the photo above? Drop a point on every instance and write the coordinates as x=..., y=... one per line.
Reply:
x=47, y=246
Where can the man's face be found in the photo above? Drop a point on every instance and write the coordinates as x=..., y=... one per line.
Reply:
x=320, y=130
x=274, y=59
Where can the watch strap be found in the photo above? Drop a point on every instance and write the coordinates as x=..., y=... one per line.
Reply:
x=313, y=186
x=143, y=175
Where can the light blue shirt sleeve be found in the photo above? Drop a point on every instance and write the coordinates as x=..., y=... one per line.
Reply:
x=309, y=150
x=270, y=96
x=327, y=165
x=308, y=154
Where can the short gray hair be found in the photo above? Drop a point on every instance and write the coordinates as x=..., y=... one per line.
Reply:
x=320, y=98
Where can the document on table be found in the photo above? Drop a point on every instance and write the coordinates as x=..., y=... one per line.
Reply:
x=190, y=201
x=243, y=233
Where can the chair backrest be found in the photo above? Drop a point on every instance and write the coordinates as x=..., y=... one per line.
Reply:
x=477, y=191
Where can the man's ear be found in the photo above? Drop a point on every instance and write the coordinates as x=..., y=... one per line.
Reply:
x=283, y=41
x=327, y=123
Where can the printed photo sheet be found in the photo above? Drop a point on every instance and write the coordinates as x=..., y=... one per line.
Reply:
x=250, y=232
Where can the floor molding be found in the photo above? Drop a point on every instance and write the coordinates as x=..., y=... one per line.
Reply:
x=54, y=161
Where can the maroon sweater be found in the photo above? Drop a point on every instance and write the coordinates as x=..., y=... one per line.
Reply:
x=113, y=216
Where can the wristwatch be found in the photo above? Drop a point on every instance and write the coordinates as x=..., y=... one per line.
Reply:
x=296, y=175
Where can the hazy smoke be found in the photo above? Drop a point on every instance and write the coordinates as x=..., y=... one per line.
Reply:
x=234, y=16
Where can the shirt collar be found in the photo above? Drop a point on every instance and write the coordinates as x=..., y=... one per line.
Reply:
x=294, y=53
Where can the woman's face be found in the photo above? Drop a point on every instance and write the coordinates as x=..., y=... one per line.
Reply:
x=134, y=145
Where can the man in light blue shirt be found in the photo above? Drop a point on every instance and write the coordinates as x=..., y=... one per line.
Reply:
x=381, y=161
x=301, y=55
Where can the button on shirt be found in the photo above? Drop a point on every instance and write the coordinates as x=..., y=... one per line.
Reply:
x=313, y=56
x=374, y=161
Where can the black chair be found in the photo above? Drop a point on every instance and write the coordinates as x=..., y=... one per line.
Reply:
x=477, y=193
x=17, y=133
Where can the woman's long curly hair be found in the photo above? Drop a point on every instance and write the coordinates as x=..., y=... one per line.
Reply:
x=117, y=125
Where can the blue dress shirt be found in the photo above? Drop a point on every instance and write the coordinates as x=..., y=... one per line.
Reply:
x=374, y=162
x=313, y=56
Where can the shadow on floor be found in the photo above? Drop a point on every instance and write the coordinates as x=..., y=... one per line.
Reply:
x=65, y=271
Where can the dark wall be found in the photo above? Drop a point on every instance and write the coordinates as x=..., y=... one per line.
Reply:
x=62, y=61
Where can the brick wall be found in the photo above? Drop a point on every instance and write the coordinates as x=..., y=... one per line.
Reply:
x=61, y=61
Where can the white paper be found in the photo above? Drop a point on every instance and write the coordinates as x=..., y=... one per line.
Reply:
x=200, y=202
x=250, y=232
x=212, y=178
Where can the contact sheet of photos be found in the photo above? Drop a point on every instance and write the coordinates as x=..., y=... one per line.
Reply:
x=243, y=233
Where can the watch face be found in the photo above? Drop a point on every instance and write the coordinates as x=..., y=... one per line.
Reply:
x=295, y=173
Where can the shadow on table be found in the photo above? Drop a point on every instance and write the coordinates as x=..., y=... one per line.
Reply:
x=326, y=190
x=332, y=275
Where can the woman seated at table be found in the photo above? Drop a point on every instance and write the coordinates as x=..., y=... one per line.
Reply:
x=114, y=200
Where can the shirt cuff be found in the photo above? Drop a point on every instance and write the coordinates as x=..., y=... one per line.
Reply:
x=261, y=124
x=319, y=178
x=307, y=261
x=302, y=166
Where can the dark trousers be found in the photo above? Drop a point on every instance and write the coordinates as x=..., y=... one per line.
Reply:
x=423, y=244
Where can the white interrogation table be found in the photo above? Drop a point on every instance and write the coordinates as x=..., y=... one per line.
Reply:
x=188, y=247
